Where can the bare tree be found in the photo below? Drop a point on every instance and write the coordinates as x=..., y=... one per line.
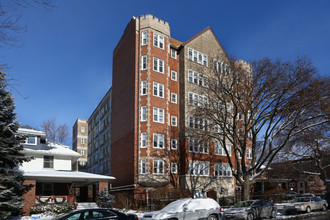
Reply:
x=10, y=16
x=55, y=133
x=311, y=146
x=258, y=108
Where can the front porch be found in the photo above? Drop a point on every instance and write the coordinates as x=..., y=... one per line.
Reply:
x=62, y=186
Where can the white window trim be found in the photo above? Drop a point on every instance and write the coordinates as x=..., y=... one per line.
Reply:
x=160, y=114
x=174, y=168
x=175, y=145
x=175, y=100
x=143, y=140
x=159, y=138
x=175, y=74
x=160, y=87
x=159, y=41
x=144, y=84
x=157, y=165
x=175, y=53
x=143, y=164
x=174, y=121
x=144, y=113
x=144, y=62
x=144, y=36
x=156, y=67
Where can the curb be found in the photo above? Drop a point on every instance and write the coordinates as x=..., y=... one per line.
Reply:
x=302, y=216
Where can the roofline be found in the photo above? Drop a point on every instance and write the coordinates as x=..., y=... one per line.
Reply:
x=100, y=104
x=202, y=32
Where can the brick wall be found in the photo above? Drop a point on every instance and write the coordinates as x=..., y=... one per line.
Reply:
x=29, y=197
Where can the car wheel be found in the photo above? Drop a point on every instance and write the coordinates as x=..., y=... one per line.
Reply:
x=273, y=214
x=212, y=217
x=324, y=208
x=308, y=209
x=249, y=217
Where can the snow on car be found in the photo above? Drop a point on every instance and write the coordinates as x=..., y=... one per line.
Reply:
x=188, y=208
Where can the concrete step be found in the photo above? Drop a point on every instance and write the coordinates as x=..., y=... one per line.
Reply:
x=86, y=205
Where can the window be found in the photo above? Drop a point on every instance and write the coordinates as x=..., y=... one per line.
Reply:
x=221, y=67
x=47, y=189
x=174, y=98
x=143, y=140
x=158, y=141
x=219, y=150
x=174, y=168
x=174, y=75
x=199, y=168
x=144, y=38
x=197, y=100
x=198, y=123
x=82, y=129
x=31, y=140
x=173, y=53
x=292, y=185
x=143, y=113
x=249, y=153
x=217, y=129
x=144, y=62
x=174, y=121
x=197, y=78
x=197, y=57
x=197, y=146
x=48, y=161
x=82, y=140
x=144, y=88
x=143, y=166
x=174, y=144
x=158, y=65
x=158, y=115
x=222, y=170
x=158, y=90
x=159, y=41
x=158, y=167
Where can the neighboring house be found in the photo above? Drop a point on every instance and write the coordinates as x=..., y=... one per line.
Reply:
x=294, y=177
x=137, y=132
x=50, y=173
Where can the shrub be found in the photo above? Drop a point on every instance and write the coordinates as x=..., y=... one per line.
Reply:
x=105, y=199
x=53, y=208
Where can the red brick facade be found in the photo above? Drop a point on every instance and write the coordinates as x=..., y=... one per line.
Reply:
x=29, y=197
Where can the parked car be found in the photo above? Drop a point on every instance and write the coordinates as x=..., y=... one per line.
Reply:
x=97, y=213
x=308, y=204
x=251, y=209
x=188, y=208
x=302, y=204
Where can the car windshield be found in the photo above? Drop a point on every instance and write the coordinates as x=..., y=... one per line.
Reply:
x=302, y=199
x=175, y=206
x=243, y=204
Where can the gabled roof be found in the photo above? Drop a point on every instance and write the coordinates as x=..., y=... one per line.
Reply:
x=175, y=43
x=202, y=32
x=51, y=149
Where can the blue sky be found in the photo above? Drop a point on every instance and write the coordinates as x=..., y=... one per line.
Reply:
x=64, y=67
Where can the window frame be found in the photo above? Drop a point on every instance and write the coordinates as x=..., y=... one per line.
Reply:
x=174, y=168
x=144, y=62
x=174, y=121
x=143, y=166
x=175, y=53
x=174, y=98
x=158, y=90
x=158, y=115
x=144, y=87
x=158, y=139
x=144, y=113
x=158, y=167
x=48, y=160
x=158, y=65
x=159, y=41
x=144, y=38
x=175, y=74
x=174, y=144
x=143, y=140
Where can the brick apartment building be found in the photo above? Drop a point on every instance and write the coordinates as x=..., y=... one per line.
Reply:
x=79, y=143
x=156, y=82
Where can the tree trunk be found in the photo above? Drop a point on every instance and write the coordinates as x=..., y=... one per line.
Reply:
x=246, y=188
